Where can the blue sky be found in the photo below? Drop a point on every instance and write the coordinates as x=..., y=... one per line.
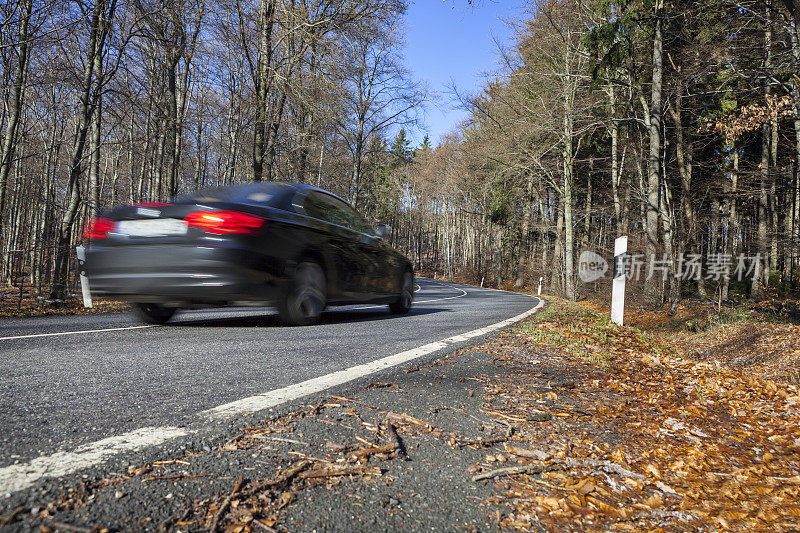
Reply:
x=449, y=40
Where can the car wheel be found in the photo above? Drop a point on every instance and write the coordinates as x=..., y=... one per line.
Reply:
x=403, y=303
x=306, y=298
x=153, y=313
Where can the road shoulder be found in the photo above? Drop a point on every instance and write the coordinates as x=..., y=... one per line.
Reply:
x=433, y=408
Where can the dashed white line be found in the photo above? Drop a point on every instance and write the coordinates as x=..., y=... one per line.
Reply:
x=463, y=293
x=73, y=332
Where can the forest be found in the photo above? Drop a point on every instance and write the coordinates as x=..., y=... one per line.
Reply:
x=673, y=122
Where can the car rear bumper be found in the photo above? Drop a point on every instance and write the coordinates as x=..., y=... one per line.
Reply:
x=183, y=275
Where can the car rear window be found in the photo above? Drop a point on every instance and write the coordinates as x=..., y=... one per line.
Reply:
x=263, y=195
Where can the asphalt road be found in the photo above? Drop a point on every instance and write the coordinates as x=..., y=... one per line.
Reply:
x=71, y=381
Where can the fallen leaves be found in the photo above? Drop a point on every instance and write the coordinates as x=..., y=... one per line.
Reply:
x=675, y=443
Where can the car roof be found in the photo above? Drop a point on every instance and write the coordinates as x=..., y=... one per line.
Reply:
x=279, y=189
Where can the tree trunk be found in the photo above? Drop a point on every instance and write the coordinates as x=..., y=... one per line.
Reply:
x=731, y=235
x=94, y=145
x=762, y=243
x=65, y=230
x=684, y=151
x=652, y=293
x=524, y=241
x=615, y=166
x=569, y=282
x=173, y=130
x=761, y=266
x=357, y=155
x=9, y=139
x=272, y=136
x=795, y=91
x=263, y=82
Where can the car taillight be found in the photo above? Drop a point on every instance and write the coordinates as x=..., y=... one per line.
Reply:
x=224, y=222
x=98, y=228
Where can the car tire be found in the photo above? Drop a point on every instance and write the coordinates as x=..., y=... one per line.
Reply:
x=306, y=296
x=402, y=305
x=153, y=313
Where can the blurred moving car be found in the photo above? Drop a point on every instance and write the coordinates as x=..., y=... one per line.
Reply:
x=293, y=246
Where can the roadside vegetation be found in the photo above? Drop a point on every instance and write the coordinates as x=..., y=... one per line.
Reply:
x=664, y=430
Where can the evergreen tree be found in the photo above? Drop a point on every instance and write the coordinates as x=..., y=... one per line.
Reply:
x=426, y=143
x=400, y=152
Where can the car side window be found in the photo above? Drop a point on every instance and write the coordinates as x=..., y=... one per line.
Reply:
x=358, y=222
x=350, y=216
x=335, y=211
x=315, y=207
x=323, y=208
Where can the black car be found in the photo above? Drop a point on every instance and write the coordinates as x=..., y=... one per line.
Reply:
x=293, y=246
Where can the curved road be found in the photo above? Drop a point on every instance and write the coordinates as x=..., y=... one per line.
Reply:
x=68, y=382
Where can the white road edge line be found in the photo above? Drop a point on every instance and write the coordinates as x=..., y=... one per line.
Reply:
x=18, y=477
x=21, y=476
x=311, y=386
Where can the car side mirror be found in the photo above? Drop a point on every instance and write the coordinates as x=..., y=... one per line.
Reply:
x=383, y=231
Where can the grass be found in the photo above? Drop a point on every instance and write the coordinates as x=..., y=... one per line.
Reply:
x=585, y=333
x=760, y=342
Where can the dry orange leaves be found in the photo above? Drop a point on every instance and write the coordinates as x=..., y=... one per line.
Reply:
x=653, y=440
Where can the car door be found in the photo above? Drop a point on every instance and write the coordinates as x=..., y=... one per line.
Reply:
x=361, y=261
x=380, y=272
x=342, y=244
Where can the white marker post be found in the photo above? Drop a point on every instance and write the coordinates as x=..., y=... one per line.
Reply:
x=539, y=292
x=87, y=295
x=618, y=284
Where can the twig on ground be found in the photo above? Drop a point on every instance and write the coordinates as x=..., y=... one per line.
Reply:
x=72, y=528
x=366, y=452
x=606, y=466
x=173, y=478
x=11, y=516
x=290, y=441
x=512, y=470
x=263, y=526
x=407, y=419
x=399, y=449
x=225, y=504
x=282, y=477
x=549, y=485
x=501, y=415
x=537, y=455
x=309, y=457
x=171, y=462
x=364, y=441
x=341, y=471
x=343, y=399
x=480, y=442
x=382, y=385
